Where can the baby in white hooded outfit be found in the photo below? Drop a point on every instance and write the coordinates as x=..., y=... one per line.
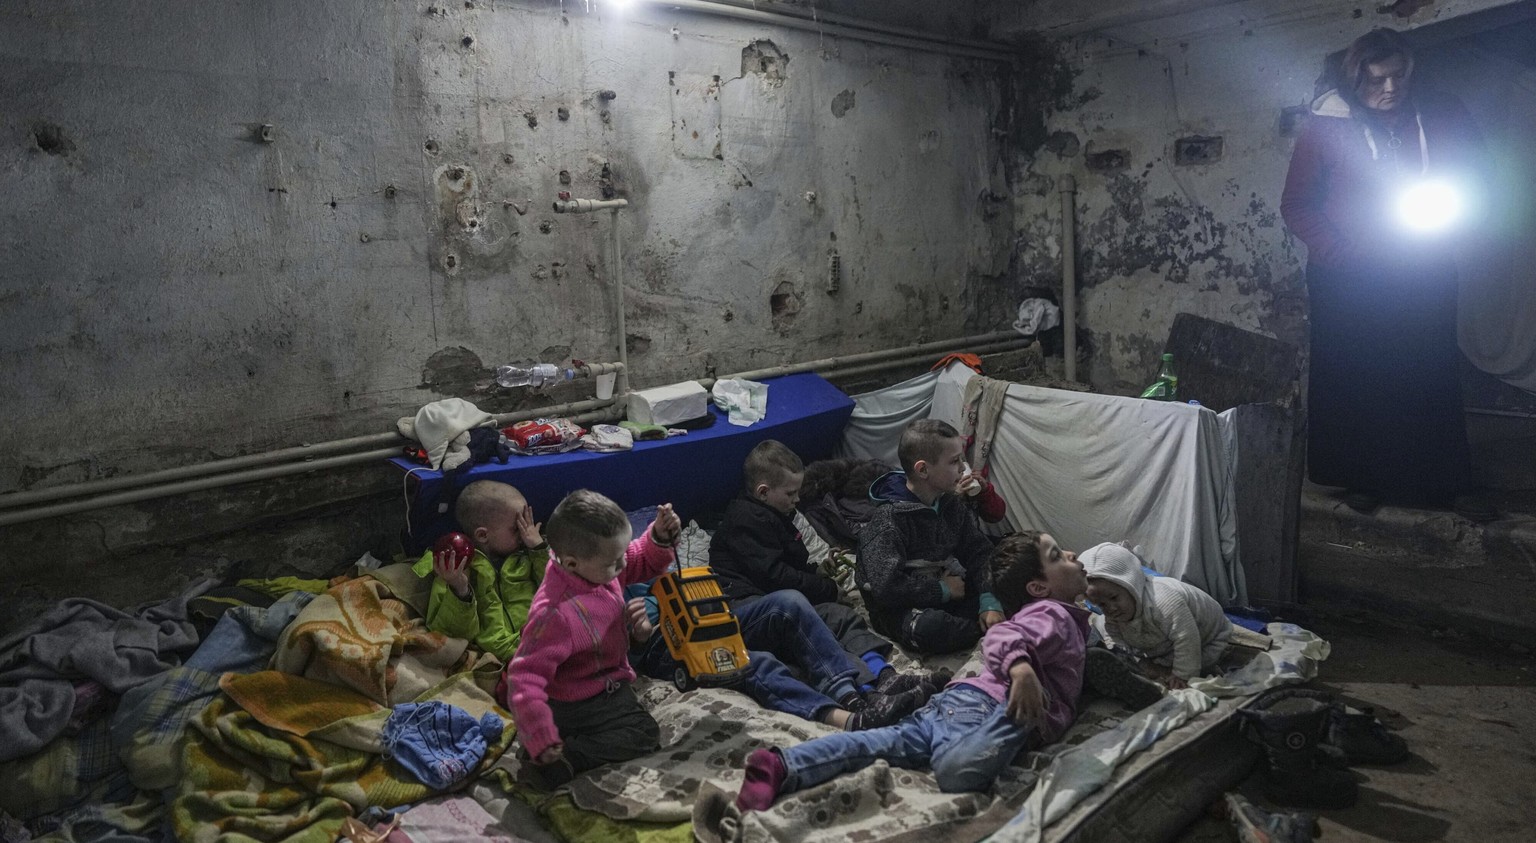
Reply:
x=1172, y=623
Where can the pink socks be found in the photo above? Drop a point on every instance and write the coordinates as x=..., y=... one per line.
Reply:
x=765, y=774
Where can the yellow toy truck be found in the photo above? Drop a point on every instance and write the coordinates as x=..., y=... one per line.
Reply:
x=699, y=629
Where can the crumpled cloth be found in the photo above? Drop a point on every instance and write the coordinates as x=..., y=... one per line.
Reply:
x=84, y=639
x=442, y=428
x=745, y=402
x=438, y=743
x=608, y=437
x=1036, y=315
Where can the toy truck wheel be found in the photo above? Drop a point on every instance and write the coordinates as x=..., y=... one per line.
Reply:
x=681, y=679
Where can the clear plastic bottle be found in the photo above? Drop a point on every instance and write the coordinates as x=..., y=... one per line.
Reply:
x=1166, y=387
x=536, y=375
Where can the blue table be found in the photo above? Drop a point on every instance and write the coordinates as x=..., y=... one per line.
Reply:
x=696, y=473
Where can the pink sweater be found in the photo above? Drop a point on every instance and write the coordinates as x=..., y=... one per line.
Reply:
x=575, y=644
x=1052, y=637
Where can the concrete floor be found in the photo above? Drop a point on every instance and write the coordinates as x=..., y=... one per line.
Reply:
x=1467, y=709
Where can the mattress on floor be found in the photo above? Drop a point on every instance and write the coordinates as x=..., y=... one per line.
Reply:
x=1158, y=792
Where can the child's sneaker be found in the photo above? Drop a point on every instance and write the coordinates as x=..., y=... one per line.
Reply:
x=892, y=681
x=544, y=776
x=1111, y=676
x=1361, y=738
x=765, y=774
x=885, y=709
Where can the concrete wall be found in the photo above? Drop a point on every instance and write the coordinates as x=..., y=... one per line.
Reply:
x=177, y=289
x=1157, y=237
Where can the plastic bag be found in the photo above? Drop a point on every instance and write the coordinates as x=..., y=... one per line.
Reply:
x=744, y=402
x=544, y=436
x=1036, y=315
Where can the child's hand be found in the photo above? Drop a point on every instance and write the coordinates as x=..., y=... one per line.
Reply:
x=667, y=526
x=527, y=530
x=640, y=627
x=956, y=586
x=453, y=570
x=1026, y=699
x=990, y=619
x=550, y=755
x=1175, y=683
x=970, y=483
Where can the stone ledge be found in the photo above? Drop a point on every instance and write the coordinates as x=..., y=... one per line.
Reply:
x=1424, y=567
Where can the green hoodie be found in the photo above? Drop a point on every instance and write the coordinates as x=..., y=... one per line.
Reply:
x=499, y=596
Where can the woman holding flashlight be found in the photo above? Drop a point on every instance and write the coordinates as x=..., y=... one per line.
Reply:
x=1378, y=190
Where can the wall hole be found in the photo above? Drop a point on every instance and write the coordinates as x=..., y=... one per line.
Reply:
x=1197, y=149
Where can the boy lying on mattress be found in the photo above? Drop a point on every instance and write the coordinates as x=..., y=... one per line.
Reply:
x=1027, y=693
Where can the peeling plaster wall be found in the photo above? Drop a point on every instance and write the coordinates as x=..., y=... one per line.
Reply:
x=1155, y=237
x=178, y=287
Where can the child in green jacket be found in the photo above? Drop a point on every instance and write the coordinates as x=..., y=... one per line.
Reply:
x=485, y=599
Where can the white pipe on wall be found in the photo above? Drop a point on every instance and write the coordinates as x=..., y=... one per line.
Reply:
x=221, y=480
x=587, y=206
x=852, y=28
x=1069, y=274
x=155, y=485
x=301, y=452
x=957, y=344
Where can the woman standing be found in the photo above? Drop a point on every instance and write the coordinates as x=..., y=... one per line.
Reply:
x=1385, y=417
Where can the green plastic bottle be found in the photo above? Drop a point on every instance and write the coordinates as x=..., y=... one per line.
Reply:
x=1166, y=387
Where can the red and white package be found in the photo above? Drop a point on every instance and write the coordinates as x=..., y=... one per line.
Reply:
x=544, y=436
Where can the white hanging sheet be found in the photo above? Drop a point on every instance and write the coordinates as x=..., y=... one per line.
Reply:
x=874, y=430
x=1091, y=468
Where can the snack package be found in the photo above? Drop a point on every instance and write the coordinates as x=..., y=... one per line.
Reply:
x=544, y=436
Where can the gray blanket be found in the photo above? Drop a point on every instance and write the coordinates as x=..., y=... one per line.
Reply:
x=84, y=639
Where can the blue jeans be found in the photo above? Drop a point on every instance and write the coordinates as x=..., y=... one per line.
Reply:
x=785, y=624
x=777, y=628
x=966, y=735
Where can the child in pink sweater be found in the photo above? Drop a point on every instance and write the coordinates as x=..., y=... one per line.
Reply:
x=568, y=685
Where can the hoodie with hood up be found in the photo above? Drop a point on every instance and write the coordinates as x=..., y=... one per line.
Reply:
x=908, y=547
x=1175, y=622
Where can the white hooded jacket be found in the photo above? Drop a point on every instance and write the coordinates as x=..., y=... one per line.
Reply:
x=1175, y=623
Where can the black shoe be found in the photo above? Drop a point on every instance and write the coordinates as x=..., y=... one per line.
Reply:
x=854, y=702
x=1361, y=738
x=544, y=776
x=1289, y=724
x=884, y=710
x=1111, y=676
x=1361, y=501
x=894, y=682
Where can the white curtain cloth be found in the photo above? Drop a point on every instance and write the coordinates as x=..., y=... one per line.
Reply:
x=874, y=430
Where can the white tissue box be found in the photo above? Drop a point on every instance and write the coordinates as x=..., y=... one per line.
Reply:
x=668, y=405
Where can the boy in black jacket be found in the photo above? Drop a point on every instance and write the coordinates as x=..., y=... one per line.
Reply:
x=922, y=564
x=758, y=550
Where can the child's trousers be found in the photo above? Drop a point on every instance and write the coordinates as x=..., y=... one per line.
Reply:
x=605, y=729
x=784, y=624
x=966, y=735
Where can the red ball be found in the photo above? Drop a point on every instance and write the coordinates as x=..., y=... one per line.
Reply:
x=456, y=543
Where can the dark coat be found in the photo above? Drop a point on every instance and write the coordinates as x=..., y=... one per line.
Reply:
x=905, y=529
x=758, y=550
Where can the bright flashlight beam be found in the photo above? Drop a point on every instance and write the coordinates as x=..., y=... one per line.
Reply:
x=1429, y=206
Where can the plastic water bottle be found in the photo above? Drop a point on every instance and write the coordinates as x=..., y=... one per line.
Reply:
x=536, y=375
x=1166, y=387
